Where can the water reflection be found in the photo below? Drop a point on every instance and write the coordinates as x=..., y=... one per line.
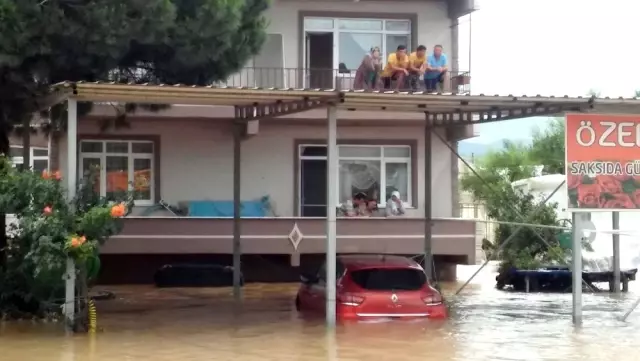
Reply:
x=181, y=324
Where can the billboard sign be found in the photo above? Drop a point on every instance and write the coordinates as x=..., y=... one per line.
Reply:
x=602, y=154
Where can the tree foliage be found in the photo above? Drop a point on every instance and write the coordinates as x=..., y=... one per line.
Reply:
x=44, y=42
x=496, y=171
x=48, y=229
x=547, y=148
x=161, y=41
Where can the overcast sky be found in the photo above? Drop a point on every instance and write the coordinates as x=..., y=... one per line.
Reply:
x=550, y=47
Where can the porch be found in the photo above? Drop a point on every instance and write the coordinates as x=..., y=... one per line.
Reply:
x=255, y=105
x=294, y=236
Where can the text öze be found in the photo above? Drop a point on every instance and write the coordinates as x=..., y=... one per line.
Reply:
x=608, y=134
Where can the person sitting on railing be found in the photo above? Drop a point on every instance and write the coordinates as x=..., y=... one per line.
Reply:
x=372, y=208
x=355, y=207
x=417, y=66
x=367, y=73
x=396, y=68
x=436, y=70
x=394, y=205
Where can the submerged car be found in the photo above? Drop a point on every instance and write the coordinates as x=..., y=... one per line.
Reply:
x=373, y=286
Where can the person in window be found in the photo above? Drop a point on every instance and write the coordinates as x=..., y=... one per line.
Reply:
x=417, y=66
x=436, y=70
x=394, y=205
x=355, y=207
x=396, y=68
x=372, y=208
x=367, y=73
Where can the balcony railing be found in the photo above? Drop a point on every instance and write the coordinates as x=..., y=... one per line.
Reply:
x=342, y=79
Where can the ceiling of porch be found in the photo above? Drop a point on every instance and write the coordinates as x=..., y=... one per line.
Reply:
x=440, y=109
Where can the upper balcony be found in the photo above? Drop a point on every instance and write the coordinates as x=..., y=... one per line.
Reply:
x=345, y=79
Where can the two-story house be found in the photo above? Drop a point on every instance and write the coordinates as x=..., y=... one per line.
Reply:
x=184, y=157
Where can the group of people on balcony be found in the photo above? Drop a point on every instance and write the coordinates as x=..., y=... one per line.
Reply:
x=363, y=206
x=406, y=70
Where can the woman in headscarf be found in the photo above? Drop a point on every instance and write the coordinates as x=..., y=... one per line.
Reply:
x=394, y=205
x=367, y=73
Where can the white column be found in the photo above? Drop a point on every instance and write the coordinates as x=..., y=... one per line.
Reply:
x=576, y=270
x=72, y=147
x=332, y=203
x=615, y=219
x=72, y=180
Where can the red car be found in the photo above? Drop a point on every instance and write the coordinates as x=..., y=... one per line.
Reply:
x=373, y=286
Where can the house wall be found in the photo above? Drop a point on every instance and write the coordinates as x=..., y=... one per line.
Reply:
x=433, y=24
x=196, y=159
x=37, y=140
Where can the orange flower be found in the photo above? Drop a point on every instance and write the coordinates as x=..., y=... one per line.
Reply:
x=57, y=175
x=47, y=210
x=46, y=174
x=78, y=241
x=118, y=210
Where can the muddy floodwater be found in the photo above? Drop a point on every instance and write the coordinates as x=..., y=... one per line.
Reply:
x=144, y=323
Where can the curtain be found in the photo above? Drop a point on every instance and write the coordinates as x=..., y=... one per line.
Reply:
x=359, y=176
x=396, y=180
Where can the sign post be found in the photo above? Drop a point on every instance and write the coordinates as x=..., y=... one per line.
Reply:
x=603, y=175
x=576, y=266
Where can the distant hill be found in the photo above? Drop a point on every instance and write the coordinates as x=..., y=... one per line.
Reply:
x=469, y=149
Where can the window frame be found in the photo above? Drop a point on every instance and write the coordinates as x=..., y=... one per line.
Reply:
x=382, y=159
x=336, y=30
x=19, y=160
x=131, y=157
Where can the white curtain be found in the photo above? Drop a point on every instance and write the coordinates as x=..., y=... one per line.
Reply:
x=358, y=176
x=396, y=179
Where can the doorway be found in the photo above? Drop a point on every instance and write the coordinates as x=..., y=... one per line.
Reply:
x=319, y=59
x=313, y=187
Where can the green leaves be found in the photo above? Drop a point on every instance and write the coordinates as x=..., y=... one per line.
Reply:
x=49, y=229
x=498, y=170
x=194, y=42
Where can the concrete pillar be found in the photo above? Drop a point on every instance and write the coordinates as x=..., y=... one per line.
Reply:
x=237, y=247
x=428, y=254
x=332, y=204
x=72, y=184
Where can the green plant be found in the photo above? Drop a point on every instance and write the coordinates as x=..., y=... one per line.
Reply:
x=48, y=229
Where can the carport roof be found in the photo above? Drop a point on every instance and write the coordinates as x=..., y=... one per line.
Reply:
x=259, y=103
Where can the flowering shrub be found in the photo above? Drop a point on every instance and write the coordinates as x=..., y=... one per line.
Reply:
x=49, y=229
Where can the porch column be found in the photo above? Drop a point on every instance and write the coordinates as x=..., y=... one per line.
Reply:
x=72, y=183
x=237, y=250
x=332, y=204
x=428, y=256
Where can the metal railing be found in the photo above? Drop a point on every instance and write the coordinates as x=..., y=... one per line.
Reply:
x=342, y=79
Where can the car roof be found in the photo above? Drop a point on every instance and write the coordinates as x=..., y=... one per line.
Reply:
x=361, y=261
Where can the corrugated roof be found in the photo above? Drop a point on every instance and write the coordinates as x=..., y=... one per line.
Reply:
x=434, y=103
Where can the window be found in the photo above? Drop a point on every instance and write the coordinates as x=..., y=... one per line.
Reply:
x=355, y=37
x=376, y=170
x=123, y=166
x=389, y=279
x=39, y=161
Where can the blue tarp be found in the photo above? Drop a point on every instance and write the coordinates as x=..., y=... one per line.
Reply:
x=225, y=208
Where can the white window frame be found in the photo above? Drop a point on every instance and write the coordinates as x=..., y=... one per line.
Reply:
x=130, y=157
x=336, y=36
x=15, y=161
x=383, y=170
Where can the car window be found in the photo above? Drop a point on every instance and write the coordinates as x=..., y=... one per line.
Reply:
x=389, y=279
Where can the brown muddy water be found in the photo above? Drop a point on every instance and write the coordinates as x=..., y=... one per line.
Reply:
x=145, y=323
